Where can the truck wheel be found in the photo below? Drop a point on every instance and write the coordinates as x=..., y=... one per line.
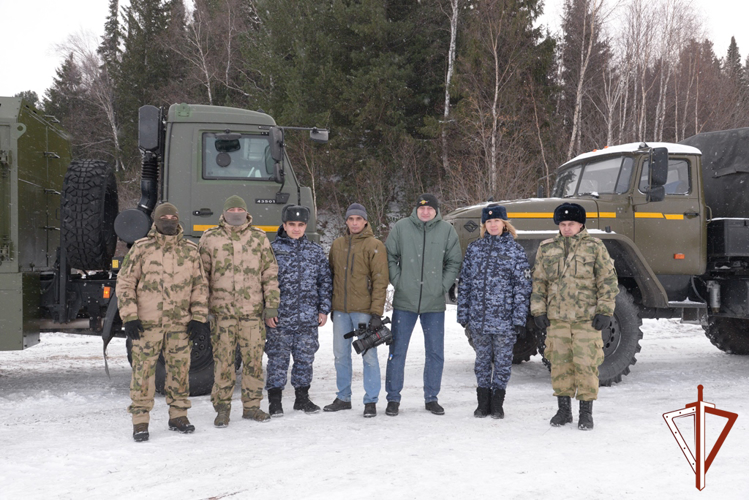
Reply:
x=621, y=342
x=87, y=212
x=526, y=346
x=730, y=335
x=201, y=369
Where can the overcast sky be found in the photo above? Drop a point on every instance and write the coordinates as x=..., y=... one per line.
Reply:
x=28, y=58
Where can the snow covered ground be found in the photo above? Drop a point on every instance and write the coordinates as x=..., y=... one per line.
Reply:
x=65, y=433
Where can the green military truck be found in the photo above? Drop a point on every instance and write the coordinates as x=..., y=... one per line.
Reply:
x=675, y=219
x=60, y=221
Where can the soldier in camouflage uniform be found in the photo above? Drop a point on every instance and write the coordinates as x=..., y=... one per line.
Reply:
x=493, y=305
x=306, y=285
x=243, y=279
x=163, y=297
x=574, y=293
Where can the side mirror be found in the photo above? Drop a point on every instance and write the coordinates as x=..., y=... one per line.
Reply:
x=278, y=173
x=658, y=167
x=656, y=193
x=150, y=128
x=276, y=144
x=319, y=135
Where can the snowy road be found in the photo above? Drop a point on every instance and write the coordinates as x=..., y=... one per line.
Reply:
x=65, y=433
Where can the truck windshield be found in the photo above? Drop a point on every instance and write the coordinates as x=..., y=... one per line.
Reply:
x=236, y=156
x=598, y=176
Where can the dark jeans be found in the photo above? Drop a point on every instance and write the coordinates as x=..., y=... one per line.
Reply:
x=433, y=325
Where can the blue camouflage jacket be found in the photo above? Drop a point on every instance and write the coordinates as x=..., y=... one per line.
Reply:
x=494, y=286
x=304, y=280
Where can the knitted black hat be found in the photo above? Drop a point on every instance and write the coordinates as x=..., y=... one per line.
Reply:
x=569, y=211
x=493, y=211
x=428, y=200
x=295, y=213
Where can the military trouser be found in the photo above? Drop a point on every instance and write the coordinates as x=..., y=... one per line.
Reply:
x=282, y=343
x=575, y=350
x=145, y=353
x=493, y=349
x=249, y=335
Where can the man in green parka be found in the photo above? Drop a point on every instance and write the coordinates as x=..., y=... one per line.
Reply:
x=424, y=259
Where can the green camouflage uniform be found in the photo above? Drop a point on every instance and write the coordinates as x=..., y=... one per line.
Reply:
x=162, y=284
x=573, y=280
x=243, y=280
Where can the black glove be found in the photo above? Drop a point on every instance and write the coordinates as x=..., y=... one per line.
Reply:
x=600, y=322
x=520, y=330
x=196, y=328
x=375, y=323
x=542, y=322
x=133, y=329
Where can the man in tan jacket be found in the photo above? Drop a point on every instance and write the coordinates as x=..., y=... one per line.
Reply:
x=243, y=279
x=162, y=295
x=359, y=265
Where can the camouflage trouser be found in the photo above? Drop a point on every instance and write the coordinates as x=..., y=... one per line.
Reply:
x=575, y=351
x=493, y=349
x=249, y=334
x=145, y=352
x=282, y=343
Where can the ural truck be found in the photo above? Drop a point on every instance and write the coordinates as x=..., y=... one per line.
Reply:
x=59, y=218
x=675, y=220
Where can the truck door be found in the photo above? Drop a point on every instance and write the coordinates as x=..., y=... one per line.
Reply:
x=671, y=233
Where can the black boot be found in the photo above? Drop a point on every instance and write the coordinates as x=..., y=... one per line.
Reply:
x=585, y=422
x=274, y=402
x=564, y=414
x=303, y=402
x=498, y=398
x=483, y=394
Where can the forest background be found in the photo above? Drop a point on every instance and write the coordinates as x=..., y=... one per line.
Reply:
x=467, y=99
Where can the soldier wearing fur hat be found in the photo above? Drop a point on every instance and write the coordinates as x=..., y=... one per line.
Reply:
x=573, y=298
x=243, y=279
x=163, y=302
x=305, y=284
x=493, y=305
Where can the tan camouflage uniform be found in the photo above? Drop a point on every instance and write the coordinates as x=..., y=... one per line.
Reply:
x=573, y=280
x=243, y=280
x=162, y=284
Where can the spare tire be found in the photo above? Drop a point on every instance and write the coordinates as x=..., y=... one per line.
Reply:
x=88, y=209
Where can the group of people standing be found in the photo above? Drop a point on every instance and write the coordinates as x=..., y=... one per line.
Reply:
x=249, y=294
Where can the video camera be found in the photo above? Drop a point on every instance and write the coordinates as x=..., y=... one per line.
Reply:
x=370, y=337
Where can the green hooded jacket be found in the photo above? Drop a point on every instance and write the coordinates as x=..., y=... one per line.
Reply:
x=424, y=259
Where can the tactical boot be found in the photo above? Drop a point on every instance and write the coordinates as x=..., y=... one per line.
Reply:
x=585, y=422
x=564, y=414
x=498, y=398
x=435, y=408
x=338, y=405
x=392, y=409
x=303, y=402
x=484, y=396
x=181, y=424
x=370, y=410
x=222, y=417
x=255, y=414
x=274, y=402
x=140, y=432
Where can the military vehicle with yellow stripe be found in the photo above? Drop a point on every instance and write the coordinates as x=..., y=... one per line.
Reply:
x=675, y=219
x=60, y=221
